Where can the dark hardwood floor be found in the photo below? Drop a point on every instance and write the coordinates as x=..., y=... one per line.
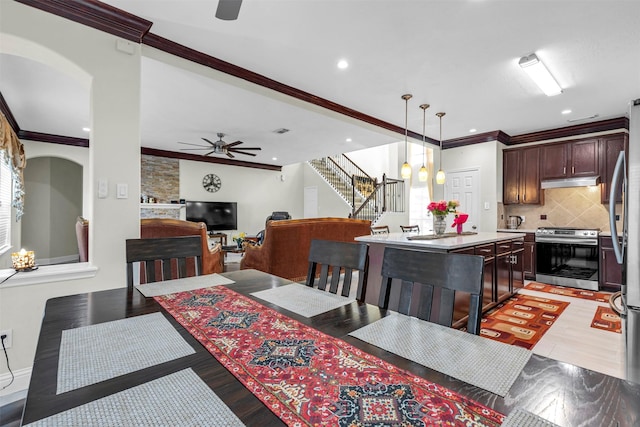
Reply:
x=11, y=414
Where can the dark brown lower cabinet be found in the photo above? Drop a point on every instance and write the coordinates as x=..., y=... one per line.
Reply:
x=610, y=271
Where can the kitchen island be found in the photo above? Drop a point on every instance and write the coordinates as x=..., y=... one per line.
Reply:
x=503, y=258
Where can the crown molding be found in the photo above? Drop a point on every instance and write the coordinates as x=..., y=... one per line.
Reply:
x=4, y=107
x=496, y=135
x=568, y=131
x=98, y=15
x=53, y=139
x=218, y=160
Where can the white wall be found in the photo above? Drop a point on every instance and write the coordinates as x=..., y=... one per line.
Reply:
x=114, y=80
x=483, y=157
x=379, y=160
x=258, y=192
x=330, y=204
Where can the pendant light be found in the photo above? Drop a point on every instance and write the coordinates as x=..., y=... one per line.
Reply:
x=440, y=175
x=423, y=174
x=405, y=171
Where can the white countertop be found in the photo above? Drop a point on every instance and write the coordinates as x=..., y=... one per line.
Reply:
x=444, y=244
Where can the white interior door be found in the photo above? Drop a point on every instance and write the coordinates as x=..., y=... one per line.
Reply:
x=464, y=186
x=310, y=202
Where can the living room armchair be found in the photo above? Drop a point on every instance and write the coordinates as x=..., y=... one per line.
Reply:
x=285, y=249
x=212, y=258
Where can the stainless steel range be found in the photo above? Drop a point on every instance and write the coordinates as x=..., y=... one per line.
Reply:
x=567, y=256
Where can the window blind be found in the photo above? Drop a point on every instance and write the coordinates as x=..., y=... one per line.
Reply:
x=5, y=203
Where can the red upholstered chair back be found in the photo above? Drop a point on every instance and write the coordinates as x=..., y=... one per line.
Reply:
x=212, y=261
x=82, y=234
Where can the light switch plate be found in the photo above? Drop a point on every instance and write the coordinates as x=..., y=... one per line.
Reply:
x=122, y=191
x=103, y=188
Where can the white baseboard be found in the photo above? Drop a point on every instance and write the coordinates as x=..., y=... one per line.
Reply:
x=18, y=387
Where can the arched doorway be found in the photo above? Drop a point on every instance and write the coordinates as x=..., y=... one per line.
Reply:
x=53, y=201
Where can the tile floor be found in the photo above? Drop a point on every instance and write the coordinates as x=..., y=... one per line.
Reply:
x=572, y=339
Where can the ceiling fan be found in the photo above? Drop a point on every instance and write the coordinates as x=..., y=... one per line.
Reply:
x=228, y=10
x=221, y=147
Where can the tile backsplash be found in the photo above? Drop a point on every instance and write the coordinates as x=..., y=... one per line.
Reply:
x=566, y=207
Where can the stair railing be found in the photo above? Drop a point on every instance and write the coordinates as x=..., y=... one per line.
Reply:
x=349, y=180
x=388, y=196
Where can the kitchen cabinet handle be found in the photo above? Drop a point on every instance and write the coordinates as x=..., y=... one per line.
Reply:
x=564, y=170
x=573, y=169
x=485, y=250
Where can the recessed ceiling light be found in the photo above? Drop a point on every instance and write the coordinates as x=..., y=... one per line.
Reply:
x=348, y=140
x=473, y=130
x=274, y=158
x=566, y=111
x=342, y=64
x=86, y=129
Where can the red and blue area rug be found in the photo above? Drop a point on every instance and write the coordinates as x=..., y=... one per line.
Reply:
x=308, y=378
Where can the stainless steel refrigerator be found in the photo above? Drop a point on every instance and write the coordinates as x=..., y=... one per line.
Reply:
x=627, y=174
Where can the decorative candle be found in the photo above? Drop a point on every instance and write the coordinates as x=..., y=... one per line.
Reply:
x=23, y=260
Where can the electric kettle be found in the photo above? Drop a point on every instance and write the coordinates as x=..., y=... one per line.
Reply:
x=514, y=222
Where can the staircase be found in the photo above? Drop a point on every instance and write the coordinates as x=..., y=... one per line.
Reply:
x=367, y=197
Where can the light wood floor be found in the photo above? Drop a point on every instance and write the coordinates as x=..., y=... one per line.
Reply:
x=571, y=339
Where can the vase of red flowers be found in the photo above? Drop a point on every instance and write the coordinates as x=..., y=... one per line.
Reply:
x=440, y=210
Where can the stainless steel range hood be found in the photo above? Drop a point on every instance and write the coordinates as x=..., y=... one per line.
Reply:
x=583, y=181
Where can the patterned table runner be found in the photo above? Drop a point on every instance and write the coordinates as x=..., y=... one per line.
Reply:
x=304, y=300
x=309, y=378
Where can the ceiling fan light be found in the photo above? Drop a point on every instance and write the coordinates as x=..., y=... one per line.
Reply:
x=440, y=177
x=423, y=174
x=405, y=172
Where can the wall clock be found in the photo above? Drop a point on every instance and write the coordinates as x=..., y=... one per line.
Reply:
x=211, y=182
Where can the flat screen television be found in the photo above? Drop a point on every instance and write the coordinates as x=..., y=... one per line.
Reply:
x=217, y=215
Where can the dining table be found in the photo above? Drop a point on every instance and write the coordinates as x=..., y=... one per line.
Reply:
x=559, y=392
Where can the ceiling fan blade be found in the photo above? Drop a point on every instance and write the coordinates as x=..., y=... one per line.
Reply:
x=233, y=144
x=195, y=145
x=228, y=10
x=246, y=148
x=246, y=154
x=231, y=156
x=189, y=149
x=209, y=141
x=209, y=153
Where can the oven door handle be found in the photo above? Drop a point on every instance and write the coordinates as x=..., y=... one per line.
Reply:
x=583, y=242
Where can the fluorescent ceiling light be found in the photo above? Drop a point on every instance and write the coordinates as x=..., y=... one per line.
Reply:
x=540, y=75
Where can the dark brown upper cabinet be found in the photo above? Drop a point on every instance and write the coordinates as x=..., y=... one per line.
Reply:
x=610, y=148
x=521, y=176
x=570, y=159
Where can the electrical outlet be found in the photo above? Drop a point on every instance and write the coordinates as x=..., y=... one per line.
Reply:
x=522, y=218
x=7, y=341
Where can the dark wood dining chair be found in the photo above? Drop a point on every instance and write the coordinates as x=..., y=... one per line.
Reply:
x=380, y=229
x=163, y=258
x=446, y=272
x=410, y=228
x=335, y=258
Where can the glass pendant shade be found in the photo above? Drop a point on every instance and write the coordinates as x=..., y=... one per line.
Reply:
x=423, y=174
x=440, y=175
x=405, y=172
